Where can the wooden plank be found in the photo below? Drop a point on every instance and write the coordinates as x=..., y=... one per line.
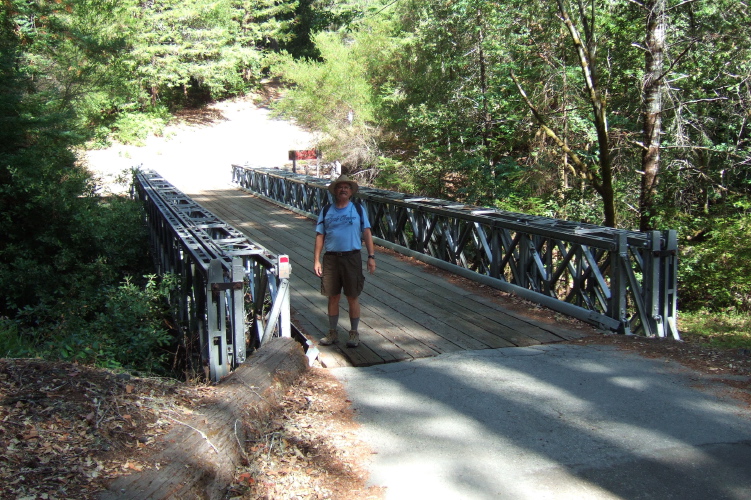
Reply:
x=458, y=333
x=315, y=308
x=407, y=313
x=463, y=315
x=386, y=351
x=392, y=326
x=564, y=332
x=480, y=311
x=465, y=305
x=446, y=310
x=415, y=346
x=487, y=309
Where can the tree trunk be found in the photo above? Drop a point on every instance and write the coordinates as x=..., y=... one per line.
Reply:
x=563, y=168
x=486, y=120
x=652, y=94
x=589, y=65
x=200, y=455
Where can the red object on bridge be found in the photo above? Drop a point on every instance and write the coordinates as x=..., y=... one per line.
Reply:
x=306, y=154
x=285, y=267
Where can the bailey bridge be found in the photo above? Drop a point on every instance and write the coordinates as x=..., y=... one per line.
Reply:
x=450, y=277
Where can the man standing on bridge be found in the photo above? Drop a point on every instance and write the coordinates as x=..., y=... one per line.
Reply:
x=341, y=230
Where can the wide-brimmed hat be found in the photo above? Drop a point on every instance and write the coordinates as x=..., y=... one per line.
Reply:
x=352, y=184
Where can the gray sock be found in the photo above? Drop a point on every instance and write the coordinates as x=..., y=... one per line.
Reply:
x=354, y=322
x=333, y=321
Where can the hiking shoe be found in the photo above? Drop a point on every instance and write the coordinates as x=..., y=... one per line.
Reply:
x=330, y=338
x=354, y=339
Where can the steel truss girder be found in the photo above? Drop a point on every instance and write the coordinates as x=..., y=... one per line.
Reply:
x=624, y=281
x=230, y=296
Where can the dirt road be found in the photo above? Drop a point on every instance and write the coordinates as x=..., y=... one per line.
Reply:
x=197, y=151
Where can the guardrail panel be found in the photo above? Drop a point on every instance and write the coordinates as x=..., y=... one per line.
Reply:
x=620, y=280
x=227, y=281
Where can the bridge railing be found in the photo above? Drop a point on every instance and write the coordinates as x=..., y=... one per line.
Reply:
x=623, y=281
x=233, y=294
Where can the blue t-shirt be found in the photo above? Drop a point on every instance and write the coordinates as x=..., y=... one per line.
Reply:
x=342, y=228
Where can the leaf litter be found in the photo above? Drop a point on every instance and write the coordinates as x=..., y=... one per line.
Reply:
x=307, y=448
x=67, y=430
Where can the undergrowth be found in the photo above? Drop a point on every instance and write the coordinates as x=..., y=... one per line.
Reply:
x=725, y=330
x=87, y=297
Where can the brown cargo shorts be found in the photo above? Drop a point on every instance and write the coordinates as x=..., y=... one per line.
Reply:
x=342, y=272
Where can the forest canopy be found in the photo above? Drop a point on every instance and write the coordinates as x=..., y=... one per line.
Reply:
x=626, y=113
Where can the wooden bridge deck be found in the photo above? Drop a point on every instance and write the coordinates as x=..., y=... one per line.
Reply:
x=406, y=312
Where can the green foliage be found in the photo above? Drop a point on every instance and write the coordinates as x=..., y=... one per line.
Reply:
x=393, y=176
x=324, y=94
x=439, y=101
x=61, y=246
x=135, y=128
x=114, y=326
x=60, y=298
x=315, y=16
x=129, y=332
x=104, y=58
x=724, y=330
x=72, y=52
x=334, y=97
x=715, y=273
x=189, y=53
x=120, y=235
x=181, y=50
x=71, y=70
x=57, y=249
x=12, y=343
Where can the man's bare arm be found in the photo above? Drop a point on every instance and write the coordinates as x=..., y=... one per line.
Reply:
x=317, y=254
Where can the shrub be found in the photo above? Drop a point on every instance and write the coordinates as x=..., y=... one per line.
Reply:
x=126, y=328
x=64, y=297
x=723, y=330
x=716, y=273
x=135, y=128
x=12, y=343
x=129, y=332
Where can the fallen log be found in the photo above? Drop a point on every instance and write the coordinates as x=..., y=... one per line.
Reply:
x=202, y=451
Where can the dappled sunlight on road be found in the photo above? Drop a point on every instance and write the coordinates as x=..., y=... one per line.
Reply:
x=556, y=421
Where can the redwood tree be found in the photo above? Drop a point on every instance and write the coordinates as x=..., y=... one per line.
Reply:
x=654, y=74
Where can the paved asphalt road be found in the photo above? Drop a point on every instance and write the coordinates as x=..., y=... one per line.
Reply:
x=554, y=421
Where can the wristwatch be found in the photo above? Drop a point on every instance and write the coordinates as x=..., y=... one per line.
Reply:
x=371, y=257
